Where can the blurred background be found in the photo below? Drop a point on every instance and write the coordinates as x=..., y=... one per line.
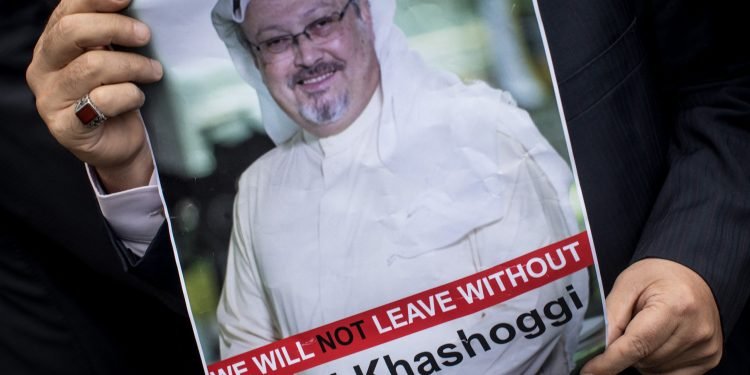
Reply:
x=205, y=128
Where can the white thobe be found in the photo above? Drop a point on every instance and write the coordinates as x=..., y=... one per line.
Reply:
x=323, y=230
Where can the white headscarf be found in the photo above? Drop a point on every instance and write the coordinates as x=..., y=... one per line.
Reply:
x=227, y=17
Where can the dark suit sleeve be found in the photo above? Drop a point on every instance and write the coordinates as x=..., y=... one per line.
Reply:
x=701, y=217
x=151, y=268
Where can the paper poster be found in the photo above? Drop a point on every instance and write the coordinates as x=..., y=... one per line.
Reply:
x=370, y=189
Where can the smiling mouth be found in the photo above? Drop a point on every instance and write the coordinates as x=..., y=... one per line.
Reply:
x=317, y=79
x=316, y=74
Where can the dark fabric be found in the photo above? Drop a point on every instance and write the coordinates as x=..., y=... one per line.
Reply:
x=68, y=303
x=656, y=96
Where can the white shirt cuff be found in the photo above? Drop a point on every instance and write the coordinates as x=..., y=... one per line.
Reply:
x=134, y=215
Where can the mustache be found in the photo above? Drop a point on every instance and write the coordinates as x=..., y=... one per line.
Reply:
x=318, y=69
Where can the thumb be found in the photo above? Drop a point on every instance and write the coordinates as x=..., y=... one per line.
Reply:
x=621, y=305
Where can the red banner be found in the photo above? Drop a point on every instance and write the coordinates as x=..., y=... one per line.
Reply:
x=413, y=313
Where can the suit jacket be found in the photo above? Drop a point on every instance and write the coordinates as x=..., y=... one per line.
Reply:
x=656, y=95
x=70, y=302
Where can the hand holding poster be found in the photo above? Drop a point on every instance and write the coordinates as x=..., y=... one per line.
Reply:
x=394, y=227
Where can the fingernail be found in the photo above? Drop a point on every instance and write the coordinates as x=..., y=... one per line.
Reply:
x=140, y=30
x=158, y=68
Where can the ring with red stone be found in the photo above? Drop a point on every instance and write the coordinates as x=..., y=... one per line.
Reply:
x=90, y=116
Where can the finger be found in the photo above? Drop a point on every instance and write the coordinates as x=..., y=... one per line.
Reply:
x=620, y=304
x=648, y=330
x=110, y=100
x=75, y=34
x=98, y=68
x=67, y=7
x=112, y=145
x=114, y=100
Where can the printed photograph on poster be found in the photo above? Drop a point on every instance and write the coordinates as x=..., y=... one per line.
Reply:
x=370, y=187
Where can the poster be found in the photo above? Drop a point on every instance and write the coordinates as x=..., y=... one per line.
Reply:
x=445, y=234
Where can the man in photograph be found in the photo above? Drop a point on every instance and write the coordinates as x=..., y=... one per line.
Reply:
x=390, y=177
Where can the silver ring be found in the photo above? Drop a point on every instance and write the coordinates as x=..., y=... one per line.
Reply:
x=90, y=116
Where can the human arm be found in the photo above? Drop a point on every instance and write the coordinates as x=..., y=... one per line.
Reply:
x=72, y=59
x=138, y=231
x=691, y=261
x=63, y=67
x=678, y=299
x=134, y=215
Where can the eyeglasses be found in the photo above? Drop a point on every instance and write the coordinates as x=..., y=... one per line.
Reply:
x=319, y=31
